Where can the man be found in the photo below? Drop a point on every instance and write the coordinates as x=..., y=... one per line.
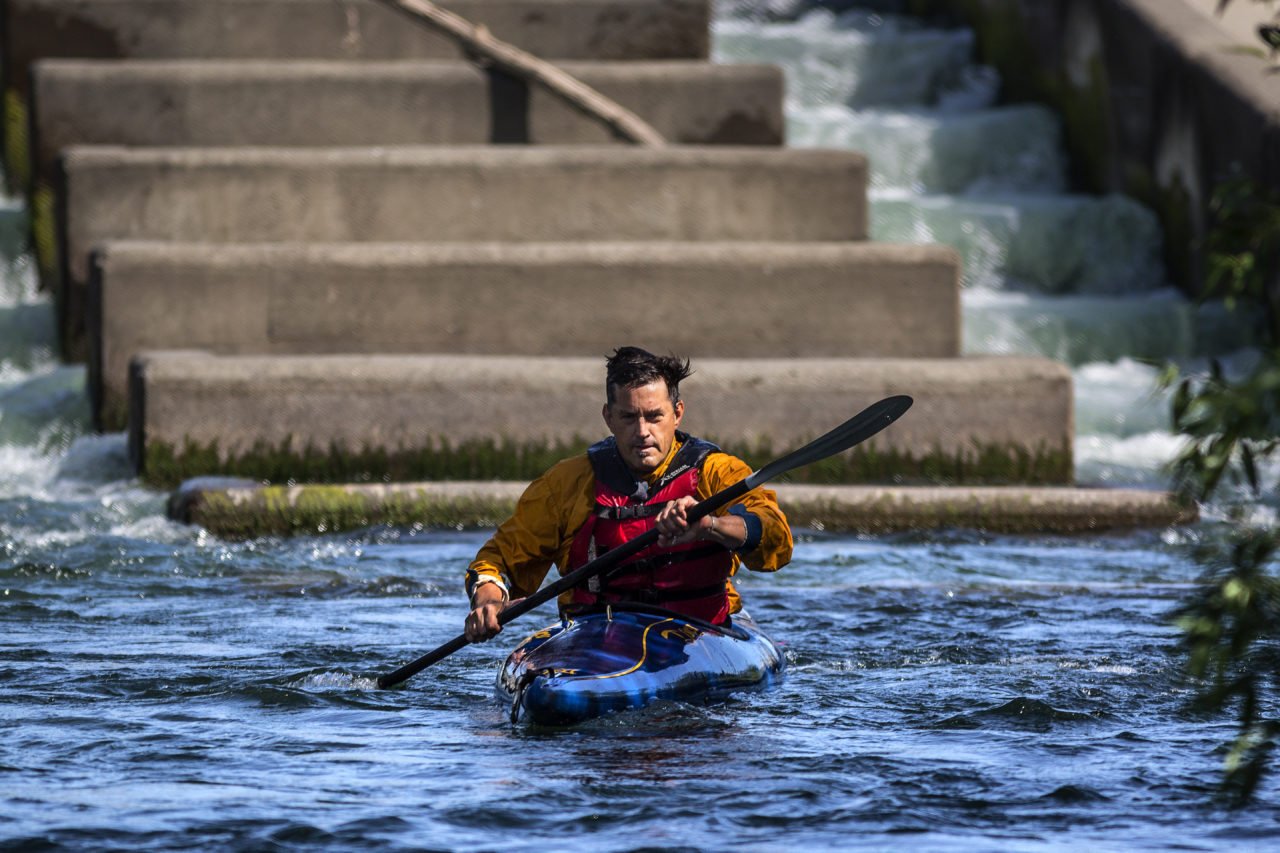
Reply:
x=646, y=474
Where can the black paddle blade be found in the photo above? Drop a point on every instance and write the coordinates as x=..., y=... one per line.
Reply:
x=857, y=429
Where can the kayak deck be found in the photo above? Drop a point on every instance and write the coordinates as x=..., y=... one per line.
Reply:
x=598, y=663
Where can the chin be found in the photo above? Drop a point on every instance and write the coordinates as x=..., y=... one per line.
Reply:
x=644, y=465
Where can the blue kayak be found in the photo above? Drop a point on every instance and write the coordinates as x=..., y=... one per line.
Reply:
x=599, y=663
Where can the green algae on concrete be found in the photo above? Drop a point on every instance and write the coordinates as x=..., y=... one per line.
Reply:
x=44, y=235
x=17, y=163
x=485, y=459
x=876, y=510
x=242, y=509
x=987, y=464
x=166, y=467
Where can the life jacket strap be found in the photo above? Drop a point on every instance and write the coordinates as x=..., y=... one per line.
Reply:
x=660, y=561
x=627, y=511
x=662, y=596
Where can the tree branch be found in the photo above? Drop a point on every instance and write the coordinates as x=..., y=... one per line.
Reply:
x=477, y=41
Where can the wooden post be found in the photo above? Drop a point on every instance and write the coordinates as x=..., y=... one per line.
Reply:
x=480, y=44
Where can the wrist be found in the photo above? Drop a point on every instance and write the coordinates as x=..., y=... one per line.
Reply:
x=488, y=590
x=724, y=537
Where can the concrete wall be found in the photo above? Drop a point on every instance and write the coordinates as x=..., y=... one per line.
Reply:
x=431, y=102
x=352, y=29
x=31, y=30
x=799, y=300
x=1160, y=101
x=220, y=408
x=491, y=193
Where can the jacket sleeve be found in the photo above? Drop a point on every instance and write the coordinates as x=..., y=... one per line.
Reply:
x=769, y=543
x=537, y=535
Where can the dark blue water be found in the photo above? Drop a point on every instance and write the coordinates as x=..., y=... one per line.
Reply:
x=164, y=690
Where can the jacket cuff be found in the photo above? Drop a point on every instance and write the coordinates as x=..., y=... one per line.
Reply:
x=475, y=580
x=755, y=528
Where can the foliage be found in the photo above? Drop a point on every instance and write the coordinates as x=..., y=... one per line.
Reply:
x=1231, y=625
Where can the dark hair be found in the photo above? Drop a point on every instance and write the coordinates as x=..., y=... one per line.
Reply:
x=631, y=367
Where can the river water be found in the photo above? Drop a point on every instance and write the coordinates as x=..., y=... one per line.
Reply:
x=161, y=689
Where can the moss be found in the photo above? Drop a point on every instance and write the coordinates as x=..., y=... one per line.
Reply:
x=990, y=464
x=44, y=234
x=1086, y=124
x=981, y=464
x=165, y=466
x=17, y=158
x=285, y=511
x=1001, y=32
x=1017, y=511
x=113, y=416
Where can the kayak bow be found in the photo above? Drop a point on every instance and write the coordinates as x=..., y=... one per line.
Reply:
x=602, y=662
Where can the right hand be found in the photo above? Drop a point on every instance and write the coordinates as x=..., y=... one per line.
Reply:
x=481, y=623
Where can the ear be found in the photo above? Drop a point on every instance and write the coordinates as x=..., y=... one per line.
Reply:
x=679, y=410
x=608, y=418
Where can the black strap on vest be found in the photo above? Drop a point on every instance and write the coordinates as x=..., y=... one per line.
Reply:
x=622, y=513
x=662, y=596
x=660, y=561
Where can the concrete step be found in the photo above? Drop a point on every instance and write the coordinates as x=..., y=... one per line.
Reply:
x=788, y=300
x=256, y=102
x=369, y=417
x=442, y=194
x=241, y=509
x=351, y=29
x=30, y=30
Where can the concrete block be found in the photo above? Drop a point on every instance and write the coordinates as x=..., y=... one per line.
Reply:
x=440, y=194
x=996, y=419
x=239, y=508
x=352, y=29
x=788, y=300
x=433, y=102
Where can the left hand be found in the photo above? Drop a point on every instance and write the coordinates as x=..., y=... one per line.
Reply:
x=673, y=523
x=674, y=527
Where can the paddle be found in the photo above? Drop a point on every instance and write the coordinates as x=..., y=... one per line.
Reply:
x=857, y=429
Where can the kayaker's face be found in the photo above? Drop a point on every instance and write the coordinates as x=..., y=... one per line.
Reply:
x=643, y=422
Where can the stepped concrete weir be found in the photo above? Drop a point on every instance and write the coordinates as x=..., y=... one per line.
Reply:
x=614, y=30
x=999, y=419
x=446, y=193
x=534, y=298
x=355, y=30
x=307, y=242
x=337, y=103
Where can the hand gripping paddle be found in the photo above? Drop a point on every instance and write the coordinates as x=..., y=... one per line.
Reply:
x=857, y=429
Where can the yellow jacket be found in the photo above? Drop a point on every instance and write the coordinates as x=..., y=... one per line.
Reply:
x=558, y=503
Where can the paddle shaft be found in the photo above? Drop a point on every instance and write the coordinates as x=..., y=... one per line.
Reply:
x=857, y=429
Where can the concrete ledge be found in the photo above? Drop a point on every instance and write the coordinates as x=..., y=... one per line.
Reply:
x=312, y=103
x=790, y=300
x=438, y=194
x=353, y=418
x=244, y=509
x=352, y=29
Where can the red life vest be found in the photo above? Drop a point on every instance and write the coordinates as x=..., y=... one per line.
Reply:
x=688, y=578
